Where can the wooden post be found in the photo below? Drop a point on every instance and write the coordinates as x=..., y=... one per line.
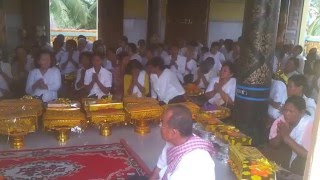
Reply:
x=254, y=70
x=313, y=161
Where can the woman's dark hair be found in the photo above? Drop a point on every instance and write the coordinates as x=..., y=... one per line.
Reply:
x=43, y=52
x=298, y=102
x=157, y=62
x=85, y=54
x=231, y=67
x=121, y=55
x=133, y=64
x=299, y=80
x=133, y=47
x=96, y=44
x=206, y=65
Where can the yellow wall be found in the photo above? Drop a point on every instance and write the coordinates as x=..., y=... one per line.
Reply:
x=135, y=9
x=220, y=10
x=228, y=10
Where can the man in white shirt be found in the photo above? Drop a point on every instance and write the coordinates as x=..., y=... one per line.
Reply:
x=185, y=156
x=297, y=50
x=177, y=63
x=218, y=57
x=97, y=79
x=133, y=52
x=165, y=85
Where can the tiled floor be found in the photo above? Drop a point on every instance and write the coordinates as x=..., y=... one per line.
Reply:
x=148, y=146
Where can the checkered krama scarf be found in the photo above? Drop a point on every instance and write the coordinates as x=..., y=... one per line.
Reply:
x=175, y=153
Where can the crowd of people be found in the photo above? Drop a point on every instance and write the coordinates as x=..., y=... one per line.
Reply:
x=78, y=68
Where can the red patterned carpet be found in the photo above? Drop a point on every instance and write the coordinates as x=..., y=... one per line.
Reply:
x=110, y=161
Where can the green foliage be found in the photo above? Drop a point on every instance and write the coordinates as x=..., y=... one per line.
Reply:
x=74, y=14
x=314, y=28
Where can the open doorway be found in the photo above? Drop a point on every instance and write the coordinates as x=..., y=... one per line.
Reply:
x=73, y=18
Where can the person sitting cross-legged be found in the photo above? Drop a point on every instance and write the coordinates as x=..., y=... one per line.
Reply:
x=185, y=156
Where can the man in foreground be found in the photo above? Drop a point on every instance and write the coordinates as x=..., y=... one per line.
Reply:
x=185, y=156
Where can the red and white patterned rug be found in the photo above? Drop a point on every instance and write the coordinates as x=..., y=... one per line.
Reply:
x=110, y=161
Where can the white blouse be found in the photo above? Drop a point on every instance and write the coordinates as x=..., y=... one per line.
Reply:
x=192, y=66
x=166, y=86
x=104, y=76
x=278, y=93
x=229, y=88
x=181, y=62
x=52, y=78
x=69, y=67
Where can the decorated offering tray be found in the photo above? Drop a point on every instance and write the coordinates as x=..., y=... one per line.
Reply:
x=230, y=134
x=190, y=105
x=207, y=118
x=219, y=112
x=135, y=100
x=141, y=114
x=23, y=104
x=63, y=103
x=113, y=116
x=248, y=163
x=53, y=119
x=193, y=90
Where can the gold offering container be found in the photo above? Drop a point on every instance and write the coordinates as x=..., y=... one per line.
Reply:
x=22, y=104
x=62, y=121
x=141, y=114
x=62, y=104
x=115, y=116
x=230, y=134
x=221, y=112
x=135, y=100
x=248, y=163
x=100, y=104
x=105, y=119
x=195, y=109
x=17, y=123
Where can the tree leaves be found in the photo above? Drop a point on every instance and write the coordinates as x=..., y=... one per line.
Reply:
x=74, y=14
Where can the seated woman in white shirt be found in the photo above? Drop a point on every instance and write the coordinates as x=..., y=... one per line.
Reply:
x=204, y=73
x=277, y=97
x=165, y=85
x=85, y=60
x=191, y=64
x=297, y=86
x=136, y=80
x=221, y=90
x=97, y=79
x=290, y=135
x=44, y=81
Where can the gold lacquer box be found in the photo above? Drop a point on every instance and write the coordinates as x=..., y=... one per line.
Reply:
x=230, y=134
x=248, y=163
x=63, y=118
x=141, y=114
x=114, y=116
x=100, y=104
x=193, y=90
x=34, y=105
x=17, y=123
x=207, y=119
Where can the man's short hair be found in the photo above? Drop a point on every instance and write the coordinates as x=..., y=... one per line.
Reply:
x=300, y=81
x=181, y=119
x=157, y=62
